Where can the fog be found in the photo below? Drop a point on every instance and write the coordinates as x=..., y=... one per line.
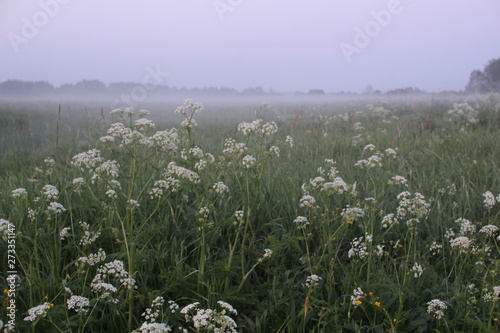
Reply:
x=282, y=46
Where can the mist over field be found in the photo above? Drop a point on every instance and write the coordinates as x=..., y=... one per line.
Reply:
x=258, y=166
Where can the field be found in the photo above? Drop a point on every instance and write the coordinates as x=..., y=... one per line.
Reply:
x=355, y=216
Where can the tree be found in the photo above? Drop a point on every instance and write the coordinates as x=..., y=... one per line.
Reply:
x=486, y=81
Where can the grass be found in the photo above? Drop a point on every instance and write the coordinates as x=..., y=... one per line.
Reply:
x=297, y=239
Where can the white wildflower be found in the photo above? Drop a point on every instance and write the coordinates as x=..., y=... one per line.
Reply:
x=313, y=281
x=56, y=208
x=436, y=308
x=489, y=199
x=64, y=233
x=220, y=188
x=489, y=230
x=38, y=311
x=308, y=201
x=357, y=295
x=78, y=303
x=248, y=161
x=19, y=192
x=417, y=270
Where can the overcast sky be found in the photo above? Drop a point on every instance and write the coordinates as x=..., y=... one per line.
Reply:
x=285, y=45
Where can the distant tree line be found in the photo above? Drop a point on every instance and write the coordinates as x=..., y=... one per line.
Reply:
x=98, y=88
x=487, y=80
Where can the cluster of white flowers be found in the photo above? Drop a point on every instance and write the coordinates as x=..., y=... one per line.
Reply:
x=378, y=111
x=153, y=328
x=49, y=164
x=466, y=226
x=111, y=194
x=450, y=190
x=372, y=162
x=93, y=258
x=78, y=183
x=181, y=173
x=359, y=247
x=50, y=192
x=133, y=204
x=87, y=160
x=239, y=215
x=55, y=208
x=152, y=313
x=412, y=208
x=195, y=152
x=358, y=127
x=490, y=230
x=256, y=127
x=370, y=147
x=492, y=296
x=38, y=311
x=352, y=213
x=332, y=171
x=108, y=170
x=301, y=222
x=490, y=200
x=211, y=320
x=144, y=125
x=116, y=270
x=248, y=161
x=128, y=136
x=417, y=270
x=338, y=185
x=389, y=221
x=313, y=280
x=398, y=180
x=289, y=141
x=88, y=236
x=129, y=112
x=308, y=201
x=390, y=152
x=31, y=214
x=231, y=147
x=189, y=108
x=220, y=188
x=169, y=184
x=275, y=151
x=436, y=308
x=19, y=192
x=317, y=182
x=357, y=295
x=107, y=139
x=462, y=244
x=376, y=159
x=166, y=140
x=379, y=251
x=78, y=303
x=173, y=306
x=464, y=114
x=64, y=233
x=435, y=248
x=5, y=228
x=267, y=254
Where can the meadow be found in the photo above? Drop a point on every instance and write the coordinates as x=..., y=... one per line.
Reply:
x=337, y=217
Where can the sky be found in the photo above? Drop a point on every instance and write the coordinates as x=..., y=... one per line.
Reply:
x=283, y=45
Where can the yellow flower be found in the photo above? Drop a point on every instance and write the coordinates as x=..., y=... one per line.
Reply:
x=358, y=302
x=377, y=304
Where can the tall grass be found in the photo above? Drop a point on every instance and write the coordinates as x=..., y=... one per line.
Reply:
x=370, y=220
